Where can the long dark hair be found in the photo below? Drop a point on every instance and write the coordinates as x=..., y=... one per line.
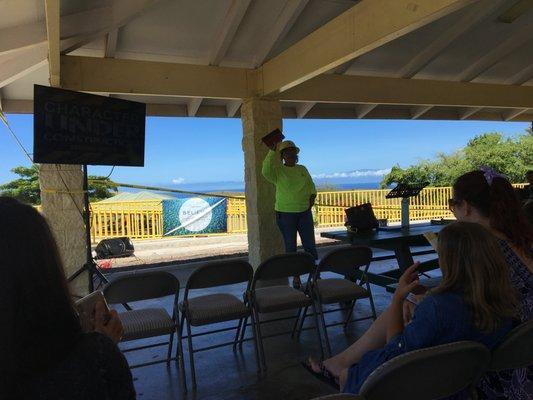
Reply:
x=41, y=324
x=473, y=265
x=499, y=203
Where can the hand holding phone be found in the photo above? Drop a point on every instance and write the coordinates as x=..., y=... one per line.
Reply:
x=86, y=308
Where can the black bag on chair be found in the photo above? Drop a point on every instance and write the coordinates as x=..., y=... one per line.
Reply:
x=361, y=218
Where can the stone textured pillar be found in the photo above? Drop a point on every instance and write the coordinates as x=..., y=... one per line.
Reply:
x=63, y=215
x=259, y=117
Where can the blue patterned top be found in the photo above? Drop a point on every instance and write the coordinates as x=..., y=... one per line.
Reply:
x=438, y=319
x=514, y=384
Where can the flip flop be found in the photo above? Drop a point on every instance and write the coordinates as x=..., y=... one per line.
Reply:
x=324, y=375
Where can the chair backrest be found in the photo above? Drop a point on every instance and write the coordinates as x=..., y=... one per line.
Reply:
x=220, y=273
x=516, y=351
x=346, y=260
x=430, y=373
x=142, y=286
x=284, y=266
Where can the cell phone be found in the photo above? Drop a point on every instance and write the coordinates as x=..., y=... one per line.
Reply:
x=86, y=309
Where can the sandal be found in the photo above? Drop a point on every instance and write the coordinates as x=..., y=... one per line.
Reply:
x=324, y=375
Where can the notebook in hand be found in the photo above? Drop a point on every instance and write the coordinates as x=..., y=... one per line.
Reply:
x=273, y=138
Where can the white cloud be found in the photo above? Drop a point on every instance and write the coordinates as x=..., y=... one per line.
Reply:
x=353, y=174
x=178, y=181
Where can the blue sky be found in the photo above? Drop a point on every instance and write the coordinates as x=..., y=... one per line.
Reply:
x=192, y=150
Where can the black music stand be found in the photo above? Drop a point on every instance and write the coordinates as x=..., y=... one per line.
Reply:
x=405, y=191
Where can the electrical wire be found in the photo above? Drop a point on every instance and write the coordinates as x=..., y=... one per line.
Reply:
x=6, y=123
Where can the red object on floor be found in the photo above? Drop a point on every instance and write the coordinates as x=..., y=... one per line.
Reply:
x=105, y=264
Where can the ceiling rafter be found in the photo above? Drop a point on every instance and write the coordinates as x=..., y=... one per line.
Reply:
x=471, y=18
x=222, y=41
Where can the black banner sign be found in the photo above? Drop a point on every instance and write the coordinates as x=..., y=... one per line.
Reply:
x=79, y=128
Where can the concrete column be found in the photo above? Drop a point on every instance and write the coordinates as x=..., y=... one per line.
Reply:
x=62, y=211
x=259, y=117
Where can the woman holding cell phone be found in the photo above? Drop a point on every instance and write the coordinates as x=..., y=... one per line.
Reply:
x=465, y=306
x=295, y=196
x=44, y=352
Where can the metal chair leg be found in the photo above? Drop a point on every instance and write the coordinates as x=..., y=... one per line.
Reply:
x=179, y=357
x=371, y=299
x=260, y=337
x=237, y=335
x=300, y=327
x=243, y=331
x=256, y=347
x=191, y=354
x=317, y=324
x=297, y=320
x=349, y=316
x=170, y=343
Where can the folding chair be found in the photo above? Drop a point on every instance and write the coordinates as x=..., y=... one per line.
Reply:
x=429, y=374
x=148, y=322
x=516, y=351
x=270, y=299
x=345, y=261
x=219, y=307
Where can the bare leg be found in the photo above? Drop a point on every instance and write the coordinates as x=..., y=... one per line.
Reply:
x=374, y=338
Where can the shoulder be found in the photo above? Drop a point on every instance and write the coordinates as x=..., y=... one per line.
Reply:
x=441, y=301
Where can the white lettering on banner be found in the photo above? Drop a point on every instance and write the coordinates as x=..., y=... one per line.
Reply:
x=195, y=215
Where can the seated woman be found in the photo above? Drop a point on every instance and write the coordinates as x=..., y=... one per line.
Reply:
x=465, y=306
x=487, y=198
x=43, y=352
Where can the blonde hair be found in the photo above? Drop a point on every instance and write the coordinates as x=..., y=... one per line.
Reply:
x=472, y=264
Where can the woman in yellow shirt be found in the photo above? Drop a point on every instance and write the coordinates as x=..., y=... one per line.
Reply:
x=295, y=195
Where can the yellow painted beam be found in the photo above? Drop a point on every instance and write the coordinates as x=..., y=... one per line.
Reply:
x=418, y=92
x=108, y=75
x=367, y=25
x=53, y=16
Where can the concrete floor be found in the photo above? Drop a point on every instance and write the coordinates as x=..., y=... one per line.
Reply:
x=224, y=374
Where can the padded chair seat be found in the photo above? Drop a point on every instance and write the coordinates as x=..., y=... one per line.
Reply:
x=213, y=308
x=279, y=298
x=148, y=322
x=334, y=290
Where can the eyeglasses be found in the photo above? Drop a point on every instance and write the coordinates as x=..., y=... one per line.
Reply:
x=452, y=203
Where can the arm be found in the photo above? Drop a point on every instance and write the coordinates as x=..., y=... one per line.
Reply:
x=311, y=188
x=271, y=165
x=115, y=371
x=407, y=282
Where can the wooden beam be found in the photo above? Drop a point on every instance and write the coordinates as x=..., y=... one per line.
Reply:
x=303, y=108
x=232, y=107
x=284, y=22
x=14, y=66
x=22, y=37
x=193, y=105
x=417, y=112
x=112, y=75
x=469, y=20
x=522, y=76
x=519, y=8
x=106, y=19
x=417, y=92
x=227, y=30
x=361, y=110
x=497, y=53
x=353, y=33
x=512, y=114
x=111, y=44
x=466, y=113
x=53, y=15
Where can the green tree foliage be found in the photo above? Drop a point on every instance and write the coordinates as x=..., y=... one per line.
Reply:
x=512, y=157
x=26, y=187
